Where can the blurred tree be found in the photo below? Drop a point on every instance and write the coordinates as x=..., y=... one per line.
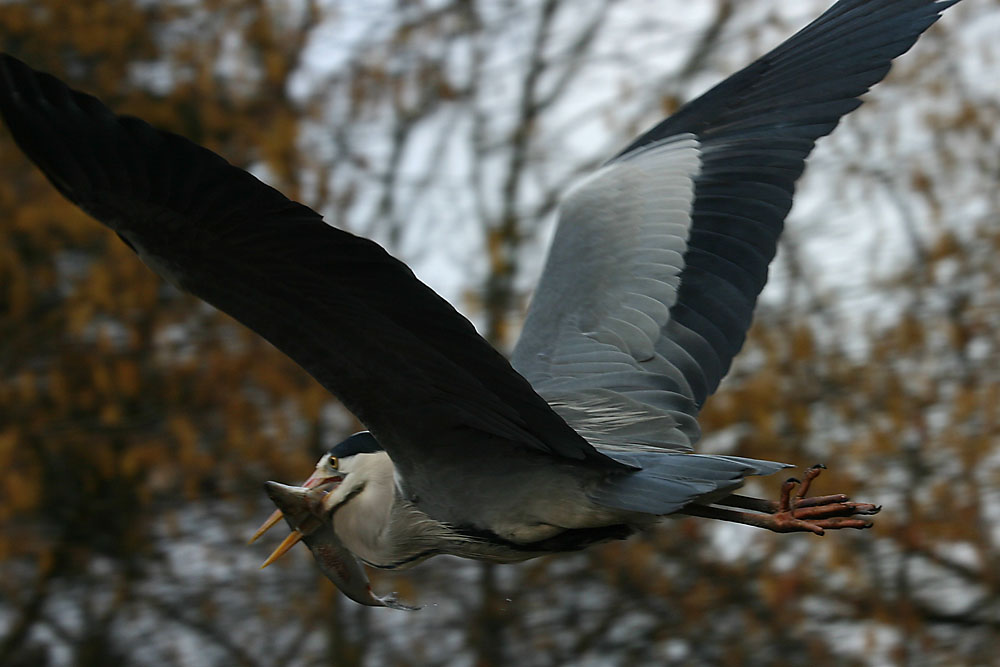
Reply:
x=136, y=424
x=122, y=399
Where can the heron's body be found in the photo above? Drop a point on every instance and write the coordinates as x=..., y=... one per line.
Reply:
x=380, y=520
x=647, y=295
x=388, y=528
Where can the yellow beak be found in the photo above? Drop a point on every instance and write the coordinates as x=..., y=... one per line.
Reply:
x=266, y=526
x=293, y=538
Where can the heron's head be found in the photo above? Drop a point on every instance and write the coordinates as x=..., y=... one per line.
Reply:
x=342, y=459
x=332, y=469
x=340, y=475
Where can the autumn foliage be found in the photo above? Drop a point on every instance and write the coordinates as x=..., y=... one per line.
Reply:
x=137, y=424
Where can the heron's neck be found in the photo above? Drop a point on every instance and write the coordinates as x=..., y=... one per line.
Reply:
x=378, y=525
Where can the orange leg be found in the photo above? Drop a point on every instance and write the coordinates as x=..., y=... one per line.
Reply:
x=790, y=514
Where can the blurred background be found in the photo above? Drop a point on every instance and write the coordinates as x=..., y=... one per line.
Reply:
x=137, y=424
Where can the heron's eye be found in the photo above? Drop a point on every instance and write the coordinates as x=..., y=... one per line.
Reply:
x=334, y=463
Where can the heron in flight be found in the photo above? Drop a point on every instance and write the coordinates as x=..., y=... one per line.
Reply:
x=586, y=434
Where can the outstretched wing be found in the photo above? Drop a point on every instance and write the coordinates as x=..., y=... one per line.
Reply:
x=396, y=354
x=659, y=257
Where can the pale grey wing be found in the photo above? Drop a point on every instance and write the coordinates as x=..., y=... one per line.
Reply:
x=593, y=343
x=642, y=305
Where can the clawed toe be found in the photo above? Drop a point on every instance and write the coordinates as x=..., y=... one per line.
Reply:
x=795, y=512
x=834, y=510
x=821, y=500
x=818, y=513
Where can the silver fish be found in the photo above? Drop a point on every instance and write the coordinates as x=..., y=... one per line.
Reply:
x=301, y=509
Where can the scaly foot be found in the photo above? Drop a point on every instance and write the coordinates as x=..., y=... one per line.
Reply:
x=792, y=514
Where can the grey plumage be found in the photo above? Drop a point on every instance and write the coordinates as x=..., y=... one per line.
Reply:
x=644, y=303
x=647, y=295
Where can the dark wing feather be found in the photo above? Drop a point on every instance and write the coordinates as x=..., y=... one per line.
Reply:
x=397, y=355
x=752, y=134
x=756, y=129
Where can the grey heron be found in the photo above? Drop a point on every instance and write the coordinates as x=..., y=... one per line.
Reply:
x=586, y=434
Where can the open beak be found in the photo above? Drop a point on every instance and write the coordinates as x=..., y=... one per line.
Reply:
x=266, y=526
x=295, y=536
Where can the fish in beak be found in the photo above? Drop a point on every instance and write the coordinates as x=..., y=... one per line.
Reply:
x=301, y=508
x=318, y=478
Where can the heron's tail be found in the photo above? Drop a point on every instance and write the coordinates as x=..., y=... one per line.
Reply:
x=666, y=481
